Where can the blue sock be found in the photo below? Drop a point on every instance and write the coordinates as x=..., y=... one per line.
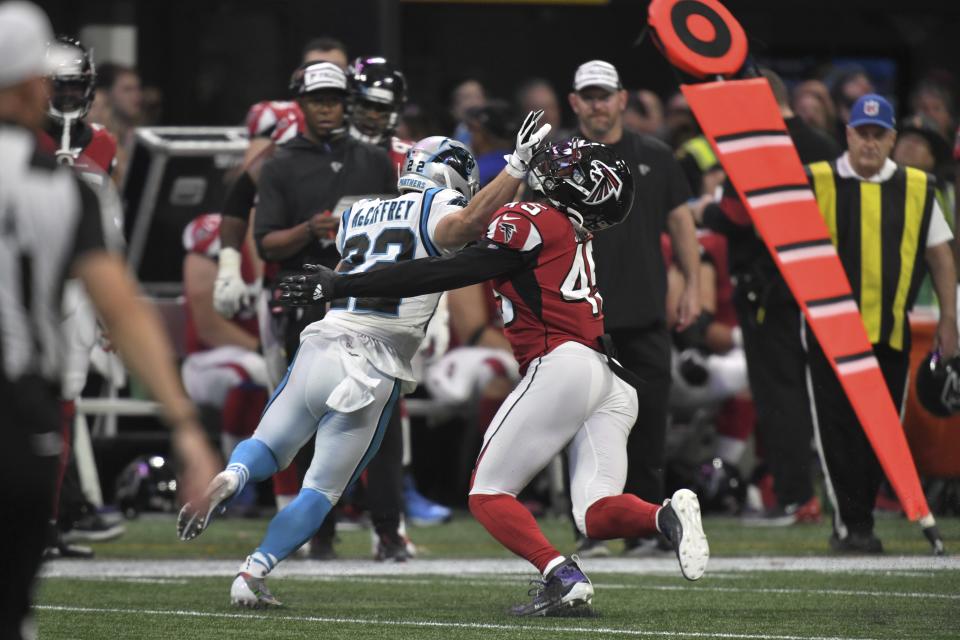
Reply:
x=252, y=460
x=294, y=525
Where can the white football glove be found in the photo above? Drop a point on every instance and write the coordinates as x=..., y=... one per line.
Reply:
x=230, y=292
x=529, y=138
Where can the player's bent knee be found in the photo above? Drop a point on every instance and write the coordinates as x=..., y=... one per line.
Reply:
x=282, y=455
x=331, y=495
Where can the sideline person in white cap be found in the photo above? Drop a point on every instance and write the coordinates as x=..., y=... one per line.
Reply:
x=54, y=227
x=631, y=273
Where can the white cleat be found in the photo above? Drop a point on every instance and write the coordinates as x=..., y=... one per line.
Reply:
x=194, y=518
x=679, y=520
x=250, y=592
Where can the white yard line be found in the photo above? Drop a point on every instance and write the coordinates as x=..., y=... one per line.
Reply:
x=468, y=567
x=432, y=624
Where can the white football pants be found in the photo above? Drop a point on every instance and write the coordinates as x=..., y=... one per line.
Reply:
x=208, y=376
x=568, y=399
x=325, y=372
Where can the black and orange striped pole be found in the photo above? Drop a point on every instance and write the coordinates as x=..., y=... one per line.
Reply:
x=742, y=121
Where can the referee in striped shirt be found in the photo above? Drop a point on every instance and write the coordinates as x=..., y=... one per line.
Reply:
x=52, y=227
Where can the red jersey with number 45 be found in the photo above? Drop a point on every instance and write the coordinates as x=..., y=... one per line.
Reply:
x=555, y=300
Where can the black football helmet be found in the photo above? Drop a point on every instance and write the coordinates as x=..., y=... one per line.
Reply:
x=147, y=484
x=719, y=487
x=72, y=80
x=378, y=92
x=938, y=384
x=585, y=180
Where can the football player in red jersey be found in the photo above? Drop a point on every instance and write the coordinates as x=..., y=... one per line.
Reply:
x=574, y=396
x=89, y=148
x=223, y=368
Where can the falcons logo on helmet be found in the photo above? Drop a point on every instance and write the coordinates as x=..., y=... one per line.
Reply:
x=606, y=183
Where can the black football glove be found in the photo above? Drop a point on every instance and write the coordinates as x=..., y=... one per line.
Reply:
x=314, y=286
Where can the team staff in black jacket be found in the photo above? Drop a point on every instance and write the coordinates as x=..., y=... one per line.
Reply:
x=301, y=184
x=770, y=321
x=631, y=273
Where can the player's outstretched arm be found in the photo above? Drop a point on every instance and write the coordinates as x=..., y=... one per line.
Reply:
x=469, y=223
x=473, y=264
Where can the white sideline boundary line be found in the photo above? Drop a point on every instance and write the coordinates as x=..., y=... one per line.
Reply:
x=503, y=567
x=599, y=631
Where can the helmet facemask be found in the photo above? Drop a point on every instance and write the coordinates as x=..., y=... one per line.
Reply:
x=72, y=80
x=372, y=121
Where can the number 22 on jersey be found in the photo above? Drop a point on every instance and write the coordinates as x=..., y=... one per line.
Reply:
x=391, y=245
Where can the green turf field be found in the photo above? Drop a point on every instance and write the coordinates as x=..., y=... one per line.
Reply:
x=466, y=592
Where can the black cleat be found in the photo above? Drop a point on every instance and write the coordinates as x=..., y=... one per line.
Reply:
x=856, y=543
x=392, y=547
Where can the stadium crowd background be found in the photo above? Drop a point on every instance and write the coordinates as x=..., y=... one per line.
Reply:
x=473, y=68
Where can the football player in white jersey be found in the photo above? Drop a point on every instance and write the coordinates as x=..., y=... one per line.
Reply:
x=352, y=365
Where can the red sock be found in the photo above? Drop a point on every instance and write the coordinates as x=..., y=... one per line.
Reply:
x=514, y=527
x=623, y=516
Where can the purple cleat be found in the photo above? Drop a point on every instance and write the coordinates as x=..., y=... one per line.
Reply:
x=564, y=588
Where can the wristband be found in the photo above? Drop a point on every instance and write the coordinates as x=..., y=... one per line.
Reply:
x=228, y=262
x=515, y=167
